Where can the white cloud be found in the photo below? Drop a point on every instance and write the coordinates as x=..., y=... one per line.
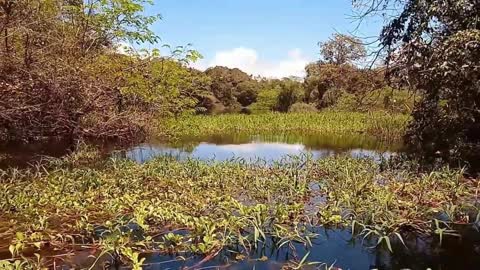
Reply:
x=256, y=147
x=248, y=60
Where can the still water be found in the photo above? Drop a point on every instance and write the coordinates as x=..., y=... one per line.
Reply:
x=332, y=249
x=245, y=147
x=268, y=148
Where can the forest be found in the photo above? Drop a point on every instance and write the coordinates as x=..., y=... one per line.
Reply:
x=79, y=71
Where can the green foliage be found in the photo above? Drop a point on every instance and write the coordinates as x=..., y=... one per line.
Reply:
x=232, y=87
x=342, y=49
x=301, y=107
x=369, y=195
x=379, y=124
x=110, y=204
x=117, y=20
x=247, y=92
x=119, y=196
x=325, y=78
x=386, y=99
x=61, y=66
x=290, y=93
x=266, y=100
x=433, y=46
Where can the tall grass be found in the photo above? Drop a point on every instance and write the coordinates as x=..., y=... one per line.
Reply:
x=381, y=125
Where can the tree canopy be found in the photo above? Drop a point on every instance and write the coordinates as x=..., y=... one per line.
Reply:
x=434, y=47
x=62, y=73
x=342, y=49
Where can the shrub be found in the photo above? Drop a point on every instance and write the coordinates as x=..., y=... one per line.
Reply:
x=331, y=97
x=291, y=93
x=323, y=77
x=300, y=107
x=386, y=99
x=266, y=101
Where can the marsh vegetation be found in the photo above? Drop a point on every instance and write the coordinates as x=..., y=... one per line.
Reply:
x=120, y=209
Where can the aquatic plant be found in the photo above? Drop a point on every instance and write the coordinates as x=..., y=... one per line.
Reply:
x=378, y=124
x=121, y=210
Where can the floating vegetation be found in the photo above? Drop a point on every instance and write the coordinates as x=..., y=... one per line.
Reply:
x=123, y=210
x=378, y=124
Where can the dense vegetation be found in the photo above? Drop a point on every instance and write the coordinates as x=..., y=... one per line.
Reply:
x=125, y=209
x=379, y=125
x=64, y=75
x=434, y=47
x=65, y=71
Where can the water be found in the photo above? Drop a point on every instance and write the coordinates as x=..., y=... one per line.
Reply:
x=221, y=147
x=332, y=247
x=23, y=155
x=262, y=147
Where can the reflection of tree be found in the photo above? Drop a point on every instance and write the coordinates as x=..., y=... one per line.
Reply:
x=425, y=252
x=23, y=155
x=321, y=145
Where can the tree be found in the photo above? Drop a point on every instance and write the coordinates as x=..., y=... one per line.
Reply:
x=322, y=78
x=434, y=46
x=232, y=87
x=291, y=92
x=342, y=49
x=247, y=92
x=60, y=73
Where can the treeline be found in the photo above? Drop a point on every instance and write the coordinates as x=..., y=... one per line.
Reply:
x=336, y=81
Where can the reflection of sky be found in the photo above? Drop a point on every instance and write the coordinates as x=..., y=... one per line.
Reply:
x=248, y=151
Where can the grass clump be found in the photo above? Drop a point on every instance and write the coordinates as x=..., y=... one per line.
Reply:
x=301, y=107
x=386, y=202
x=102, y=208
x=381, y=125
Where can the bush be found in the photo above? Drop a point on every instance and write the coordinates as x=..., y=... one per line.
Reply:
x=300, y=107
x=331, y=97
x=386, y=99
x=266, y=101
x=324, y=77
x=291, y=93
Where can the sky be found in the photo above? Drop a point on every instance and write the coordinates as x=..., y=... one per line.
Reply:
x=270, y=38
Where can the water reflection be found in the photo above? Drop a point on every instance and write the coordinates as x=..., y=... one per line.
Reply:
x=23, y=155
x=268, y=148
x=221, y=147
x=332, y=247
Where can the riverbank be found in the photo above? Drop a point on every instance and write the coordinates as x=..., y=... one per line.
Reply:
x=164, y=206
x=381, y=125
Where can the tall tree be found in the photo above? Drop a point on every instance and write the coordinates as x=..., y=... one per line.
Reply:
x=232, y=86
x=434, y=46
x=342, y=49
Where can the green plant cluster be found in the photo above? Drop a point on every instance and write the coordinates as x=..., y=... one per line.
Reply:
x=124, y=209
x=375, y=124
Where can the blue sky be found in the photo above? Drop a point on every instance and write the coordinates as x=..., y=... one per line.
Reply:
x=272, y=38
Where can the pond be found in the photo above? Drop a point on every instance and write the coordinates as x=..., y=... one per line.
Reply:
x=267, y=148
x=332, y=249
x=332, y=246
x=222, y=147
